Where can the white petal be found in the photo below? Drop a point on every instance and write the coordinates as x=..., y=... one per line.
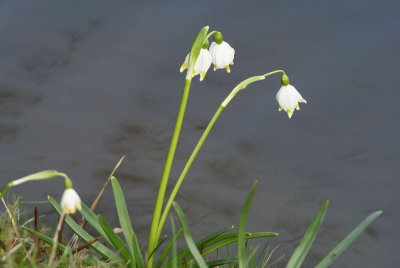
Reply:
x=203, y=62
x=296, y=93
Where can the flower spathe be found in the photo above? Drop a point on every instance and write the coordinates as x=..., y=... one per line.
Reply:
x=202, y=64
x=222, y=55
x=288, y=99
x=70, y=201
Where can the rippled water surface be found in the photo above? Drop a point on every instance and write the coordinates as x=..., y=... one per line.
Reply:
x=84, y=82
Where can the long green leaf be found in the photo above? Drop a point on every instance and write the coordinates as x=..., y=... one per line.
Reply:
x=206, y=241
x=196, y=47
x=63, y=259
x=334, y=253
x=137, y=252
x=241, y=243
x=91, y=218
x=168, y=248
x=188, y=238
x=304, y=247
x=46, y=239
x=97, y=246
x=221, y=262
x=117, y=242
x=174, y=251
x=210, y=238
x=124, y=220
x=221, y=242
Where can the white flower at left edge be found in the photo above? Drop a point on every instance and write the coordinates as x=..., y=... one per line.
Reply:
x=288, y=99
x=70, y=201
x=202, y=64
x=222, y=55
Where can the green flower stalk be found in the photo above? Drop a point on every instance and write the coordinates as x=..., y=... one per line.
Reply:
x=194, y=53
x=39, y=176
x=70, y=201
x=197, y=61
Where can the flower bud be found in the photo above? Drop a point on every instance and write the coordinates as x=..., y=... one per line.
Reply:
x=218, y=37
x=285, y=80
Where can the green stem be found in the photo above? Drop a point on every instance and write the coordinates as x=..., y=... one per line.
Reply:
x=194, y=53
x=201, y=141
x=187, y=167
x=167, y=169
x=5, y=190
x=39, y=176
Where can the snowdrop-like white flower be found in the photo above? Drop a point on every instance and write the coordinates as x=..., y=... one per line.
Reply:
x=288, y=99
x=70, y=201
x=202, y=64
x=222, y=55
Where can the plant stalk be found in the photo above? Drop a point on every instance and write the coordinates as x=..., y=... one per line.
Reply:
x=167, y=170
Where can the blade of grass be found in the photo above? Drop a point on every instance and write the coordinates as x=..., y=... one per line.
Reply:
x=98, y=197
x=99, y=247
x=222, y=241
x=91, y=218
x=188, y=238
x=168, y=248
x=160, y=243
x=137, y=252
x=49, y=240
x=334, y=253
x=174, y=250
x=123, y=214
x=304, y=247
x=208, y=239
x=117, y=242
x=241, y=247
x=204, y=242
x=46, y=239
x=221, y=262
x=65, y=255
x=125, y=222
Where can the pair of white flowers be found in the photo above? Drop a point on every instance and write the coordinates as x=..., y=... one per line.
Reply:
x=221, y=55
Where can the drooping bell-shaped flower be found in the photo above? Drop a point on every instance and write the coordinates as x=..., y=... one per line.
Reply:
x=201, y=65
x=222, y=53
x=288, y=97
x=70, y=201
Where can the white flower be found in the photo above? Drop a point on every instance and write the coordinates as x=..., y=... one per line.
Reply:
x=202, y=64
x=70, y=201
x=288, y=99
x=222, y=55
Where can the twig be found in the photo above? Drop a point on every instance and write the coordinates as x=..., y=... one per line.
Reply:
x=75, y=237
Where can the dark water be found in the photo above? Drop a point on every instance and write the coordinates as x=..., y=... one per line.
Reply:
x=84, y=82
